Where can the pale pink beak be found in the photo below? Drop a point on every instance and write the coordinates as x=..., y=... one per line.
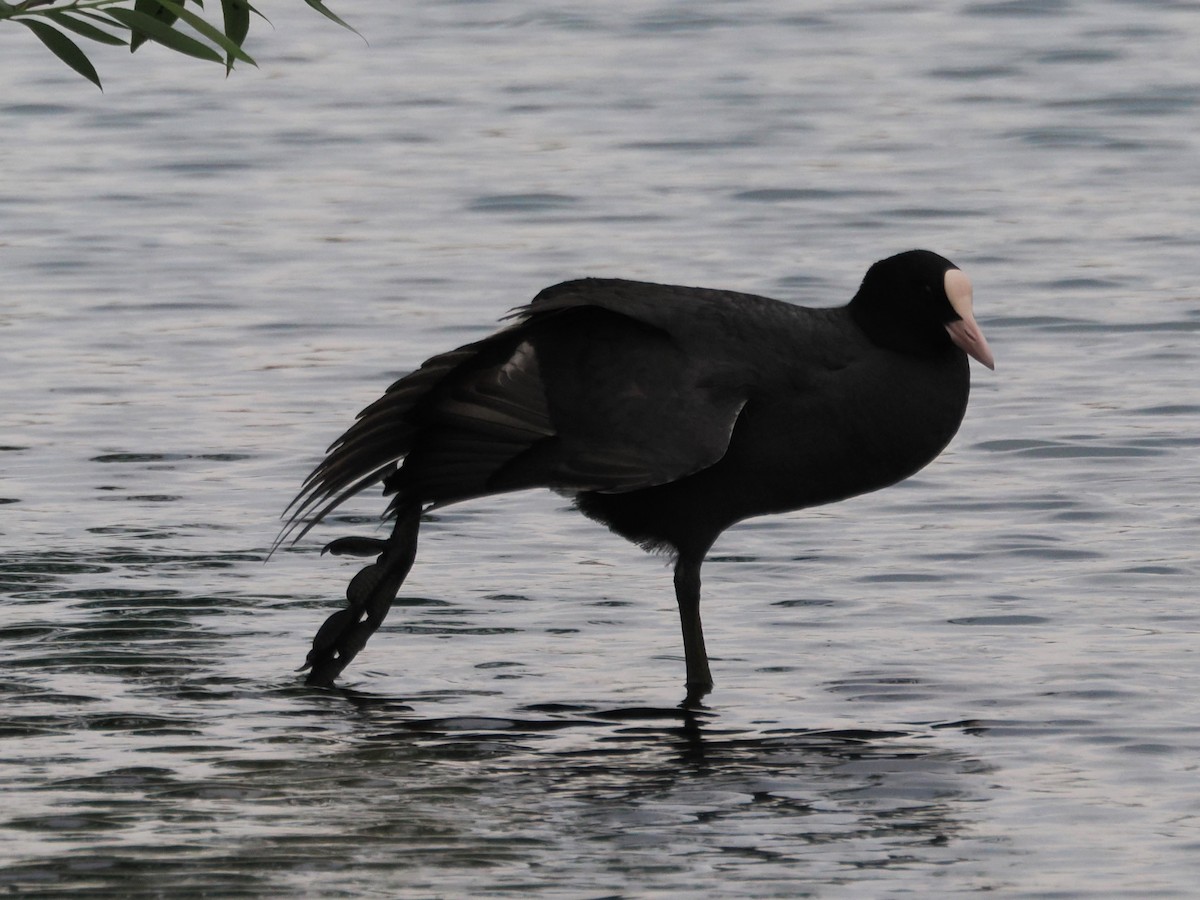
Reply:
x=965, y=332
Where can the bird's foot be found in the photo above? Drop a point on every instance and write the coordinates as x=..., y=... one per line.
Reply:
x=696, y=692
x=368, y=598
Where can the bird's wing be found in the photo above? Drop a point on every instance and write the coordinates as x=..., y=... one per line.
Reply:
x=576, y=398
x=659, y=383
x=634, y=399
x=385, y=432
x=593, y=388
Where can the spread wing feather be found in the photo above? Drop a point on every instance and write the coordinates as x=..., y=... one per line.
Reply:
x=588, y=390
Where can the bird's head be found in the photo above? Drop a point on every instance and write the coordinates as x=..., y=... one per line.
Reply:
x=919, y=303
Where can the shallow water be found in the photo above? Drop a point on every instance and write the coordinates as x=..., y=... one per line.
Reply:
x=982, y=679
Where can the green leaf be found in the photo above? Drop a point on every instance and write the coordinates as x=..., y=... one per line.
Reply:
x=258, y=12
x=327, y=13
x=64, y=48
x=237, y=19
x=209, y=31
x=156, y=10
x=164, y=34
x=83, y=29
x=237, y=24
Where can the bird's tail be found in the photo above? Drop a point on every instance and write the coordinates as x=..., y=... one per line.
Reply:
x=369, y=596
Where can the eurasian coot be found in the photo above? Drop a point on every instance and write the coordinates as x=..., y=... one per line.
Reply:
x=668, y=413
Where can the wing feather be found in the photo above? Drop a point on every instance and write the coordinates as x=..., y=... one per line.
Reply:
x=590, y=389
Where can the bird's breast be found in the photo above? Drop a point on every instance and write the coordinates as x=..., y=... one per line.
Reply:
x=858, y=429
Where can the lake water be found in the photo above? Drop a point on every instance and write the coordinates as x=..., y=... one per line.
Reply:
x=982, y=680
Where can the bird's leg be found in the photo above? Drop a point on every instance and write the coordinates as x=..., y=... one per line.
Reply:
x=687, y=595
x=369, y=597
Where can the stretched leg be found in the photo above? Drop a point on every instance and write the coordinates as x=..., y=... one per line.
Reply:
x=687, y=595
x=369, y=597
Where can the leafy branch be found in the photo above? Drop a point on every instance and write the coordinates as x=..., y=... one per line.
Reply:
x=130, y=23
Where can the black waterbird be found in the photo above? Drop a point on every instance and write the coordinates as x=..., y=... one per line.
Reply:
x=668, y=413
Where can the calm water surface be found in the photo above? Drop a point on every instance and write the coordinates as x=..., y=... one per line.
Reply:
x=982, y=680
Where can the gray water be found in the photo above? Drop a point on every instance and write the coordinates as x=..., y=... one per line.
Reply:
x=981, y=680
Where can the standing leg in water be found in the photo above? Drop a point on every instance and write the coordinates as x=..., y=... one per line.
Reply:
x=687, y=595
